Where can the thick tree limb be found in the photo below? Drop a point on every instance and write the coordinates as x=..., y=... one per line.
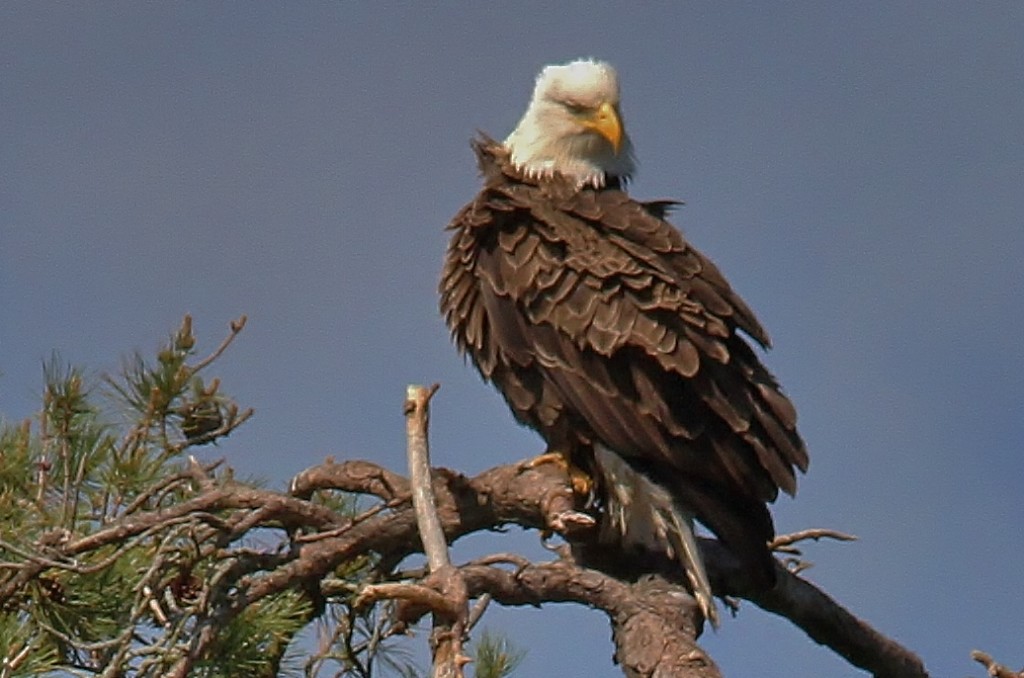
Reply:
x=653, y=624
x=830, y=624
x=498, y=496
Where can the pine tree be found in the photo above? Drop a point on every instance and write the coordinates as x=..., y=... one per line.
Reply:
x=121, y=555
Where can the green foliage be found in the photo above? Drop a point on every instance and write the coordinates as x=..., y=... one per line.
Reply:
x=121, y=555
x=496, y=656
x=262, y=630
x=26, y=653
x=20, y=452
x=136, y=600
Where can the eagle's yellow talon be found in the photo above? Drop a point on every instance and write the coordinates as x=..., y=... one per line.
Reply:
x=555, y=458
x=582, y=483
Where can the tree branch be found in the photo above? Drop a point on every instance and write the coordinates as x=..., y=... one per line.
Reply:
x=530, y=497
x=994, y=669
x=446, y=638
x=830, y=624
x=653, y=625
x=417, y=419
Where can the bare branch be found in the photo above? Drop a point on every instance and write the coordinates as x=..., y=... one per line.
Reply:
x=357, y=476
x=830, y=624
x=785, y=542
x=448, y=628
x=653, y=621
x=421, y=596
x=994, y=669
x=236, y=326
x=417, y=420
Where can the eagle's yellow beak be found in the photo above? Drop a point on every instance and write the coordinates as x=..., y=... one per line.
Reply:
x=606, y=122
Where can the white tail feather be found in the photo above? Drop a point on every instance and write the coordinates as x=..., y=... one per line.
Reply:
x=643, y=513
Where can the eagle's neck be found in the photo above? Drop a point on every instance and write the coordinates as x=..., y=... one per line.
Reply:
x=539, y=149
x=538, y=158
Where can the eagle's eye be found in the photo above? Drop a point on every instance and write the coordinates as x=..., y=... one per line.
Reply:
x=575, y=108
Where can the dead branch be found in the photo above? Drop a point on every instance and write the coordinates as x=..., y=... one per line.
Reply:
x=420, y=597
x=359, y=477
x=653, y=620
x=994, y=669
x=235, y=327
x=449, y=624
x=417, y=419
x=785, y=542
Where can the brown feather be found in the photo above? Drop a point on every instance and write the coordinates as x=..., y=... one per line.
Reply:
x=599, y=322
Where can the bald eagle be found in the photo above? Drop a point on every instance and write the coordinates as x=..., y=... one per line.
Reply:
x=615, y=339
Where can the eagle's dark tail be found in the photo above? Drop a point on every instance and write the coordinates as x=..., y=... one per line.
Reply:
x=744, y=526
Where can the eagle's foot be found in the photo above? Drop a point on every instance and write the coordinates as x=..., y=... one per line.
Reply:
x=582, y=483
x=568, y=522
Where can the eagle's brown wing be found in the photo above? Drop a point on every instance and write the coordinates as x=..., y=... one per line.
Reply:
x=598, y=322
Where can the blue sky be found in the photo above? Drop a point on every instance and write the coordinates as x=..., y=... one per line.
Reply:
x=855, y=169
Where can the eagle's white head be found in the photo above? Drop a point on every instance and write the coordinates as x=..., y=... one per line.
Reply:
x=573, y=126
